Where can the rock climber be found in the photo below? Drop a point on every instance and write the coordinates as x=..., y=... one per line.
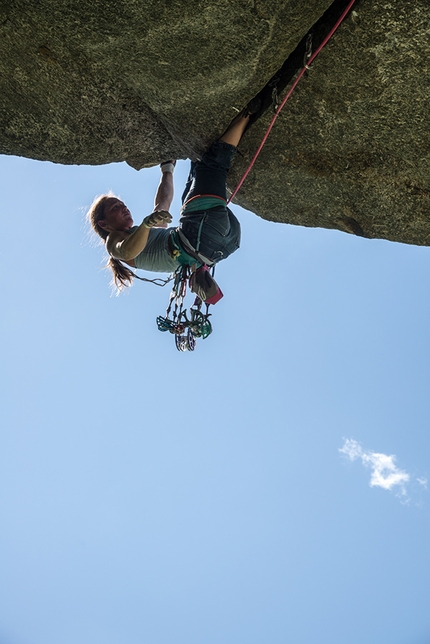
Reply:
x=207, y=233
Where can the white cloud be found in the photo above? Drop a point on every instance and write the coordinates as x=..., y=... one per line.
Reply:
x=422, y=481
x=352, y=449
x=385, y=472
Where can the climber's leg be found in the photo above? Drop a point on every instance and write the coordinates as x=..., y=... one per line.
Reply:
x=190, y=182
x=211, y=228
x=235, y=130
x=208, y=176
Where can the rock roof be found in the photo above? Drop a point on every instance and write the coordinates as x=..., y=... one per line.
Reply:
x=140, y=81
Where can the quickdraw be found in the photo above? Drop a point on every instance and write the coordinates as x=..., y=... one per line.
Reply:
x=185, y=328
x=309, y=58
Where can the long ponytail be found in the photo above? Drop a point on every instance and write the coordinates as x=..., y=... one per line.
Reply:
x=121, y=275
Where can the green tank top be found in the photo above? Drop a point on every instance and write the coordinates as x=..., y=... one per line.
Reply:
x=156, y=255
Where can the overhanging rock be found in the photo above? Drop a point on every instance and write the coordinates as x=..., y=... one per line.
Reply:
x=136, y=80
x=350, y=150
x=91, y=83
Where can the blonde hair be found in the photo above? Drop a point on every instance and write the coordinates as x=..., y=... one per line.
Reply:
x=121, y=275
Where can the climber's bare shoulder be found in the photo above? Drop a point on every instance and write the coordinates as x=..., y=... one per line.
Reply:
x=114, y=243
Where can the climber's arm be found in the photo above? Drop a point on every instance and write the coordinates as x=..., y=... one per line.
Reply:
x=164, y=195
x=125, y=246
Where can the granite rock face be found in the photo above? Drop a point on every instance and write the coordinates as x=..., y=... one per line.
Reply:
x=351, y=148
x=140, y=81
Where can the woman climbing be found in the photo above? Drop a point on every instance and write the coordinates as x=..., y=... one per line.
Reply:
x=207, y=233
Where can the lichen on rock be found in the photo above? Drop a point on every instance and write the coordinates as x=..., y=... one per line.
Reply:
x=93, y=83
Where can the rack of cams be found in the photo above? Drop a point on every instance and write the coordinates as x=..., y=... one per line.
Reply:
x=185, y=329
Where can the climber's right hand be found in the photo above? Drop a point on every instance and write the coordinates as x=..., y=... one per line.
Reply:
x=157, y=218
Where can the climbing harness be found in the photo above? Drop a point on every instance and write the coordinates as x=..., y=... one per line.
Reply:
x=308, y=60
x=186, y=328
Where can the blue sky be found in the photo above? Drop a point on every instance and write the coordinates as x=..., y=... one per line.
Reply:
x=150, y=496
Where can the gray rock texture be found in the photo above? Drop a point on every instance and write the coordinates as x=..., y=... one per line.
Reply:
x=350, y=150
x=140, y=81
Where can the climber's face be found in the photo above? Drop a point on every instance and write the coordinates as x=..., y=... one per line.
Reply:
x=116, y=215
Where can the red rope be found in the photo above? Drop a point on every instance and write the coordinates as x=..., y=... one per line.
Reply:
x=290, y=91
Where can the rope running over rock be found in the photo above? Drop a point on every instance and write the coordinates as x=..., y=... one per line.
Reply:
x=290, y=91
